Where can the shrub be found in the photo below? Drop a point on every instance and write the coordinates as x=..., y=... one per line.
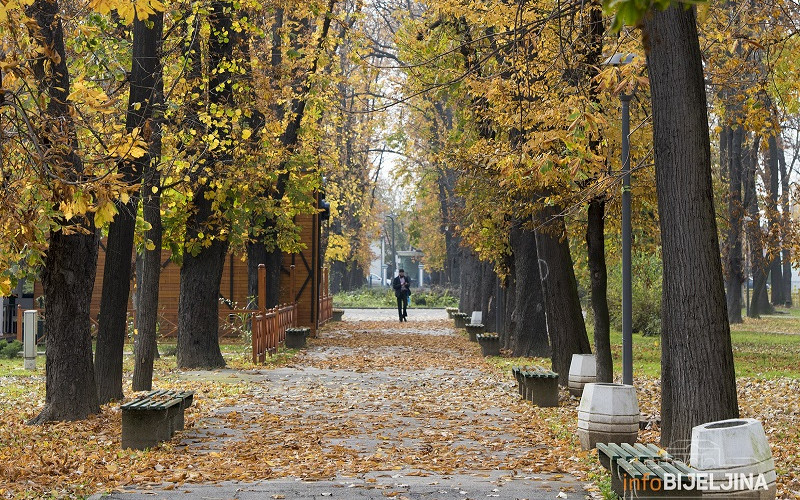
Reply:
x=646, y=291
x=10, y=350
x=384, y=297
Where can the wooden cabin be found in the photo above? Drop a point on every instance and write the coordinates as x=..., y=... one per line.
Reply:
x=302, y=273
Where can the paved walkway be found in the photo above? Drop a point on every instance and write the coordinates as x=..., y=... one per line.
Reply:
x=375, y=409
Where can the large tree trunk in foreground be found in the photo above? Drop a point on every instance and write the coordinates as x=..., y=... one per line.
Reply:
x=564, y=314
x=698, y=383
x=596, y=250
x=149, y=49
x=528, y=327
x=70, y=264
x=735, y=220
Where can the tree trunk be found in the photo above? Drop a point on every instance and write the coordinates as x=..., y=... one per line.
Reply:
x=113, y=323
x=149, y=276
x=734, y=247
x=147, y=38
x=470, y=283
x=564, y=314
x=488, y=296
x=113, y=320
x=528, y=323
x=698, y=383
x=70, y=264
x=785, y=227
x=596, y=250
x=198, y=308
x=759, y=302
x=775, y=267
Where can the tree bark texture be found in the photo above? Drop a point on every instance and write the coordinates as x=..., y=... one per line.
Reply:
x=697, y=377
x=596, y=250
x=149, y=270
x=565, y=323
x=71, y=260
x=528, y=325
x=735, y=275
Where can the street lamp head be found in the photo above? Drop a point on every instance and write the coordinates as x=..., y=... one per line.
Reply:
x=619, y=59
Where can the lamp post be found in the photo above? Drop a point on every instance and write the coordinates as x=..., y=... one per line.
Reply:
x=394, y=251
x=627, y=295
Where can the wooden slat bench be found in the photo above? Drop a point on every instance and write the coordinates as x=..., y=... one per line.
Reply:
x=638, y=470
x=646, y=480
x=153, y=417
x=537, y=385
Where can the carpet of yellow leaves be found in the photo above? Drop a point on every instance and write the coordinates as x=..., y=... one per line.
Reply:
x=365, y=396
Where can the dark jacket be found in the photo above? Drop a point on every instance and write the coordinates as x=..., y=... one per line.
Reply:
x=398, y=291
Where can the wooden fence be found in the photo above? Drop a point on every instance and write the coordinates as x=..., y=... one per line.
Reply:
x=269, y=325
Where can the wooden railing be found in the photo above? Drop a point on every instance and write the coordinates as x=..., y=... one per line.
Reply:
x=269, y=330
x=269, y=325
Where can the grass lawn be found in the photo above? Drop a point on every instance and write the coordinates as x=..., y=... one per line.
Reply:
x=755, y=354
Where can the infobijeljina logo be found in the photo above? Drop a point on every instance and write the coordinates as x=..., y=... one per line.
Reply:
x=696, y=482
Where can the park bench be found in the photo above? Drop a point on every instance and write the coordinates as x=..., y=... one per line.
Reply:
x=153, y=417
x=537, y=385
x=639, y=470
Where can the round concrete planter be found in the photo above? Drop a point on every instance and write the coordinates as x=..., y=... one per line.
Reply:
x=460, y=319
x=608, y=413
x=474, y=331
x=582, y=371
x=490, y=345
x=451, y=311
x=476, y=318
x=296, y=337
x=737, y=446
x=336, y=314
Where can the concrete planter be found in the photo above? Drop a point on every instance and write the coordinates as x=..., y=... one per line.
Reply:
x=474, y=331
x=737, y=446
x=451, y=311
x=336, y=314
x=296, y=337
x=477, y=317
x=460, y=319
x=582, y=371
x=608, y=413
x=490, y=345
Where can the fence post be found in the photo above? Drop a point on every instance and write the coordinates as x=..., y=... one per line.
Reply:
x=29, y=335
x=262, y=288
x=19, y=322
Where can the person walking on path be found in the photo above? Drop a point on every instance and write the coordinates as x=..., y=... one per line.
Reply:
x=401, y=285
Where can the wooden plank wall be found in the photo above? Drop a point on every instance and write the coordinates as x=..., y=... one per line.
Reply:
x=235, y=273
